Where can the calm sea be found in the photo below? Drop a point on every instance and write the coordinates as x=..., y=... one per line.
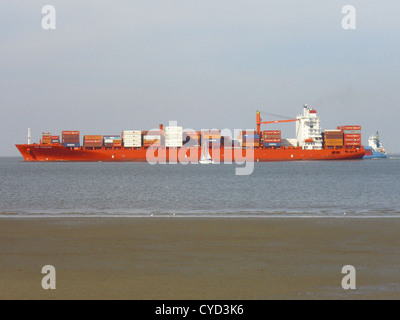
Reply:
x=365, y=188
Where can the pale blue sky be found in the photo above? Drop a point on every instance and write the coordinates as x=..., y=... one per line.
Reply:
x=117, y=65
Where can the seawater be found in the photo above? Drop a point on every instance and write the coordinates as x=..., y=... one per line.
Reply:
x=361, y=188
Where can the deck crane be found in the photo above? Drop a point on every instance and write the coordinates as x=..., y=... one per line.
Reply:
x=259, y=122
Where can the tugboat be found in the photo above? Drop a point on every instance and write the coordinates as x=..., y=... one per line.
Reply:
x=374, y=150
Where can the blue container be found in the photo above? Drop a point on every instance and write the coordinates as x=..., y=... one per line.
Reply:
x=112, y=137
x=71, y=145
x=251, y=136
x=55, y=140
x=272, y=144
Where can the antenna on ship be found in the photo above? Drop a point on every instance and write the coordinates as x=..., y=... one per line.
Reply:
x=29, y=136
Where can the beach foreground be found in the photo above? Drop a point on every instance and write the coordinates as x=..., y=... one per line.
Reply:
x=192, y=258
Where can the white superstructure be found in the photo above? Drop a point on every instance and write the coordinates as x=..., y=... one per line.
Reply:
x=173, y=136
x=308, y=129
x=375, y=143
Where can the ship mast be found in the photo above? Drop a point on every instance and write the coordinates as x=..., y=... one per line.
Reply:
x=29, y=136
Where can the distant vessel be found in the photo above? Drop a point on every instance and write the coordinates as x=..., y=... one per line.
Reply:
x=205, y=157
x=374, y=150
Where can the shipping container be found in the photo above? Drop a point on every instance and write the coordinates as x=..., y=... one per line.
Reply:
x=271, y=136
x=94, y=137
x=251, y=137
x=352, y=131
x=352, y=127
x=333, y=136
x=131, y=133
x=352, y=140
x=152, y=137
x=353, y=144
x=273, y=140
x=273, y=132
x=334, y=142
x=93, y=141
x=70, y=133
x=272, y=144
x=350, y=135
x=70, y=141
x=69, y=145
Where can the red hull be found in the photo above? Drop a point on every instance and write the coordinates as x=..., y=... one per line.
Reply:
x=56, y=152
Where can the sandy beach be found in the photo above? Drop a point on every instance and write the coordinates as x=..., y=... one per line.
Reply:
x=191, y=258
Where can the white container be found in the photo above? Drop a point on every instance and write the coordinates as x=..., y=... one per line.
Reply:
x=132, y=145
x=175, y=144
x=173, y=129
x=131, y=132
x=152, y=137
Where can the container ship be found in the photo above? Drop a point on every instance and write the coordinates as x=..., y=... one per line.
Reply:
x=172, y=144
x=374, y=150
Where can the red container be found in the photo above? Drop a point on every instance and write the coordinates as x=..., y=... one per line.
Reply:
x=93, y=144
x=70, y=133
x=273, y=132
x=352, y=143
x=272, y=140
x=271, y=136
x=353, y=127
x=70, y=140
x=352, y=135
x=351, y=140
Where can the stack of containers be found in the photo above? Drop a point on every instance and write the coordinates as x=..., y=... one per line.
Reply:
x=93, y=141
x=333, y=138
x=152, y=138
x=70, y=138
x=351, y=135
x=55, y=139
x=173, y=136
x=46, y=137
x=191, y=138
x=250, y=139
x=112, y=141
x=212, y=136
x=132, y=138
x=272, y=138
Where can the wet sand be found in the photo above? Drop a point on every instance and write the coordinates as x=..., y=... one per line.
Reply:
x=190, y=258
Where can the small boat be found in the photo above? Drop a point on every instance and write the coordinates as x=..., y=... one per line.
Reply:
x=205, y=155
x=374, y=150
